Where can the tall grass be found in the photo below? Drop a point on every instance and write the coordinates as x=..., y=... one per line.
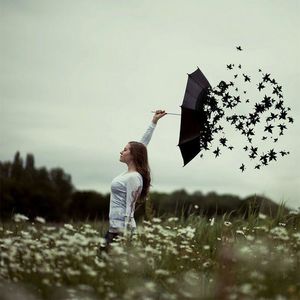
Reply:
x=169, y=258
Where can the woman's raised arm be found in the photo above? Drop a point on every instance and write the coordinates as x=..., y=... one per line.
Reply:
x=148, y=134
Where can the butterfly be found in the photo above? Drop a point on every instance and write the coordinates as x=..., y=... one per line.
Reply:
x=260, y=86
x=242, y=167
x=246, y=77
x=217, y=152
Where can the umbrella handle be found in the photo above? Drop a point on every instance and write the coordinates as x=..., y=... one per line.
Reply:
x=169, y=113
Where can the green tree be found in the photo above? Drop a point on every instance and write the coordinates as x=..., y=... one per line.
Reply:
x=17, y=167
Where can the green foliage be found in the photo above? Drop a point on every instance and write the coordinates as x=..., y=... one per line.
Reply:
x=50, y=194
x=33, y=192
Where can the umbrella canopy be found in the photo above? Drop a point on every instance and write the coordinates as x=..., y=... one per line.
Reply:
x=194, y=132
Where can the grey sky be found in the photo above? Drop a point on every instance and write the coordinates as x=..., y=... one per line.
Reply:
x=79, y=78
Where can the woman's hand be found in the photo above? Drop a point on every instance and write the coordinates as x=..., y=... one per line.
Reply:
x=158, y=114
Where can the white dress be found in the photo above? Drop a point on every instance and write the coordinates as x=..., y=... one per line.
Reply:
x=125, y=189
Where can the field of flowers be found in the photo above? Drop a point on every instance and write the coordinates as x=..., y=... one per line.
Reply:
x=168, y=258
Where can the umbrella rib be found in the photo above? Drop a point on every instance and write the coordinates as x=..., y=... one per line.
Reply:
x=202, y=86
x=189, y=140
x=191, y=95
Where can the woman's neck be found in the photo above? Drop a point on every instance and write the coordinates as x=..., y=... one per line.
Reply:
x=131, y=167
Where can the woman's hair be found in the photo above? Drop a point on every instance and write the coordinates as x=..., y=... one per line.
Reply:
x=140, y=159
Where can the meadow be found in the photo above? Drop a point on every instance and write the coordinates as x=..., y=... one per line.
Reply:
x=256, y=257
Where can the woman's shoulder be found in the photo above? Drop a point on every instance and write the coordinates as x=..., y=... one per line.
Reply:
x=134, y=176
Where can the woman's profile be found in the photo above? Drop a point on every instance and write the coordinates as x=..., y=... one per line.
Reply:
x=130, y=186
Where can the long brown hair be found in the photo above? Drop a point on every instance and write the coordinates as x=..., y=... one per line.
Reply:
x=140, y=159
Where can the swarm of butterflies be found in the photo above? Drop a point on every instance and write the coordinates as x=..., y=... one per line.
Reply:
x=260, y=121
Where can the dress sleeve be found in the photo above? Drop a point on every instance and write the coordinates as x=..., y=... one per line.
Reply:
x=133, y=190
x=148, y=134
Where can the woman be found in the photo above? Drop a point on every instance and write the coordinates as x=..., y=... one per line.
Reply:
x=130, y=186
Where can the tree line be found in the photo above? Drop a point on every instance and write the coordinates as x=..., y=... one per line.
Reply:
x=50, y=194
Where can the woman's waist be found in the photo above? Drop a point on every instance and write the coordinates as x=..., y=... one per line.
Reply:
x=121, y=223
x=119, y=212
x=121, y=229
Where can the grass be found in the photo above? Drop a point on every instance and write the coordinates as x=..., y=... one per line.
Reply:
x=168, y=258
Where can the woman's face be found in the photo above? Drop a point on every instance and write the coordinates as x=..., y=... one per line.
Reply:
x=125, y=155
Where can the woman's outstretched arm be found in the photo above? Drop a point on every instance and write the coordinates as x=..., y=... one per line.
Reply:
x=148, y=134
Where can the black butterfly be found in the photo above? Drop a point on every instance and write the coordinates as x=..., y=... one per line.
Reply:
x=253, y=119
x=217, y=152
x=272, y=155
x=250, y=132
x=237, y=99
x=266, y=78
x=236, y=75
x=279, y=105
x=240, y=126
x=257, y=167
x=271, y=117
x=239, y=48
x=269, y=128
x=281, y=126
x=273, y=81
x=259, y=108
x=291, y=120
x=240, y=66
x=223, y=141
x=276, y=90
x=242, y=167
x=264, y=138
x=264, y=159
x=283, y=114
x=230, y=66
x=283, y=153
x=227, y=96
x=233, y=119
x=254, y=150
x=267, y=101
x=260, y=86
x=246, y=77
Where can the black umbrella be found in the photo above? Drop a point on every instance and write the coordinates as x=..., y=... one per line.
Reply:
x=195, y=134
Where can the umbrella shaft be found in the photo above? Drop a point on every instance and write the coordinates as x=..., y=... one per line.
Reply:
x=169, y=113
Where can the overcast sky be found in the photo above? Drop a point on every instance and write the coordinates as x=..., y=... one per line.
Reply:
x=79, y=80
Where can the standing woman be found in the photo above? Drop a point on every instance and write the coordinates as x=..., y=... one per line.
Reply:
x=130, y=186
